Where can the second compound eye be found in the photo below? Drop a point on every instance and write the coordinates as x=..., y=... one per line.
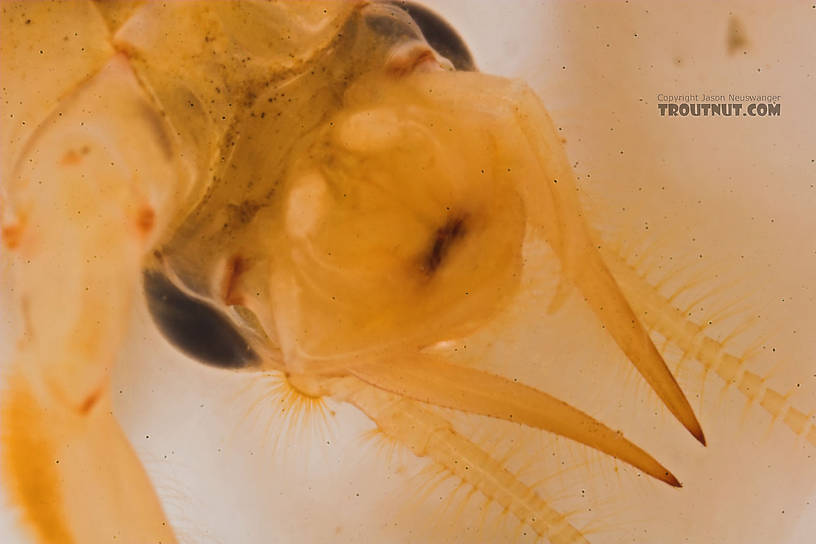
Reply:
x=440, y=35
x=194, y=327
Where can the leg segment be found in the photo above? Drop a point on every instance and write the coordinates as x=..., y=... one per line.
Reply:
x=88, y=194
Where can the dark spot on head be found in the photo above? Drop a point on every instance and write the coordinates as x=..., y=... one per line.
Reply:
x=444, y=237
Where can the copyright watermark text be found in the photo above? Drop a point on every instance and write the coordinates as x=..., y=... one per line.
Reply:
x=713, y=105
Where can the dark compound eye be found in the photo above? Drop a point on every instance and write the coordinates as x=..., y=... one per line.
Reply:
x=440, y=35
x=195, y=327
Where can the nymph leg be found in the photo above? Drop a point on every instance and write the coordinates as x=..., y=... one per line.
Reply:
x=87, y=196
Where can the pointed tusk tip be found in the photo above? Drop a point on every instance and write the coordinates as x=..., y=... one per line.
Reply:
x=672, y=480
x=695, y=429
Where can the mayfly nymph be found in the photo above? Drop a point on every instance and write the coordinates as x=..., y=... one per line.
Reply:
x=329, y=192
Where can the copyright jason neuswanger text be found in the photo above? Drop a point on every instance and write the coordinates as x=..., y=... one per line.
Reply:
x=718, y=105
